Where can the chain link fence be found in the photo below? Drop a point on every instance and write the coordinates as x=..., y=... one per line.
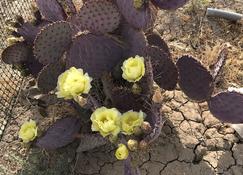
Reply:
x=10, y=79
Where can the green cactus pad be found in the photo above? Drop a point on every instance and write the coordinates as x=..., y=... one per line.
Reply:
x=97, y=16
x=194, y=79
x=164, y=70
x=16, y=53
x=47, y=78
x=52, y=42
x=95, y=54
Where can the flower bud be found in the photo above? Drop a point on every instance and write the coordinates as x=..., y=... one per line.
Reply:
x=13, y=40
x=138, y=3
x=146, y=127
x=81, y=100
x=121, y=152
x=136, y=89
x=143, y=145
x=132, y=145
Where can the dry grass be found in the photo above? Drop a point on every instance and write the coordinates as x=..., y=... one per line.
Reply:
x=189, y=31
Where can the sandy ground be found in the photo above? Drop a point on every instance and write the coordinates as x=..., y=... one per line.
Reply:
x=192, y=142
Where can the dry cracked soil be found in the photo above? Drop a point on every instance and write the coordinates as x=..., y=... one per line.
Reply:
x=192, y=142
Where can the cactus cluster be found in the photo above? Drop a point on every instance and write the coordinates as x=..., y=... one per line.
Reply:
x=98, y=37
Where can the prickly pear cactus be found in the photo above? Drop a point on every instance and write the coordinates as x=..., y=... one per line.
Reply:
x=105, y=59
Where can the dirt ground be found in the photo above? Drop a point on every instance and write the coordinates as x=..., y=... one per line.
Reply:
x=192, y=142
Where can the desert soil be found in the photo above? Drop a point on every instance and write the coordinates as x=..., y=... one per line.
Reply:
x=192, y=142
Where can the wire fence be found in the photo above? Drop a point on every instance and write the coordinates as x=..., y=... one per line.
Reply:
x=10, y=79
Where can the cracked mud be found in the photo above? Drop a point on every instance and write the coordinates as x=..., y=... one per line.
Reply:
x=192, y=142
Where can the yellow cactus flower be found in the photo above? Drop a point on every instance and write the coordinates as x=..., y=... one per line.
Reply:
x=72, y=83
x=106, y=121
x=131, y=120
x=28, y=131
x=138, y=3
x=133, y=69
x=122, y=152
